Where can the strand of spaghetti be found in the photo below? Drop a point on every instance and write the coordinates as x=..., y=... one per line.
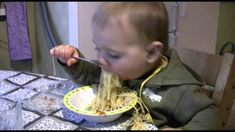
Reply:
x=111, y=95
x=164, y=64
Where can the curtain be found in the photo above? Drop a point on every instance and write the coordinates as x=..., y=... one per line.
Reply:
x=17, y=31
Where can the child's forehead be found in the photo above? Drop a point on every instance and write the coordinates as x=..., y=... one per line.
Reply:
x=121, y=21
x=117, y=26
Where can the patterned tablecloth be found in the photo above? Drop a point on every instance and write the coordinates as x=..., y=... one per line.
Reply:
x=43, y=107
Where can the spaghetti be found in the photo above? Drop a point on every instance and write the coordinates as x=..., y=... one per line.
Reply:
x=111, y=95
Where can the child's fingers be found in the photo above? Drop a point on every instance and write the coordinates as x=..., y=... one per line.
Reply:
x=68, y=51
x=65, y=53
x=59, y=52
x=71, y=61
x=55, y=51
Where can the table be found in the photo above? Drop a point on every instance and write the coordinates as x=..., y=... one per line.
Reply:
x=39, y=90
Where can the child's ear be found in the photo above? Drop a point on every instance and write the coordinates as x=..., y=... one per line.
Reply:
x=154, y=51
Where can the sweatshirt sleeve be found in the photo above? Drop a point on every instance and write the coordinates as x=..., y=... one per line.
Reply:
x=197, y=111
x=82, y=72
x=206, y=119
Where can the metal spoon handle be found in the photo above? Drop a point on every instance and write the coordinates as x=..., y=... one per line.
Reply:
x=84, y=59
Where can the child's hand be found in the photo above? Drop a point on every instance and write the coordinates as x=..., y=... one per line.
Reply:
x=64, y=53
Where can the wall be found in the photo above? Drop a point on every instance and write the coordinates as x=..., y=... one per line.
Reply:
x=198, y=28
x=4, y=57
x=42, y=44
x=226, y=25
x=59, y=17
x=31, y=28
x=60, y=14
x=85, y=12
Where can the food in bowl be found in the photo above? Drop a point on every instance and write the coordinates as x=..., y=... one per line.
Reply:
x=111, y=95
x=80, y=99
x=108, y=101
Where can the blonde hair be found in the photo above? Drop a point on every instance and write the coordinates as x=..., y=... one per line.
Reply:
x=148, y=19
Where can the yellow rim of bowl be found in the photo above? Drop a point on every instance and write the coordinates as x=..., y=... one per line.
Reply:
x=68, y=104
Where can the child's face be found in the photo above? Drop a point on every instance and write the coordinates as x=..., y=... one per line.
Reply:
x=119, y=51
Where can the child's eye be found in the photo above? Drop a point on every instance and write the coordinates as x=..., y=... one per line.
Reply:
x=97, y=49
x=115, y=56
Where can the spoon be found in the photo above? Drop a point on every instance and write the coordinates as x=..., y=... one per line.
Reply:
x=84, y=59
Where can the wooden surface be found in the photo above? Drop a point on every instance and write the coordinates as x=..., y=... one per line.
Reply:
x=231, y=121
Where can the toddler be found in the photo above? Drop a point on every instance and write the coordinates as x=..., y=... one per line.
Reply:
x=131, y=40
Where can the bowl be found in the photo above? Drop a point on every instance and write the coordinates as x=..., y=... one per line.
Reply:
x=78, y=100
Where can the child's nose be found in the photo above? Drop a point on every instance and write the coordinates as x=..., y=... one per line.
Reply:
x=103, y=61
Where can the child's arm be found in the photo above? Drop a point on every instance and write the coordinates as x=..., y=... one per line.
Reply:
x=83, y=73
x=184, y=107
x=206, y=119
x=198, y=110
x=79, y=71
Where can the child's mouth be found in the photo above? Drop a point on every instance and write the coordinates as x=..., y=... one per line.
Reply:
x=106, y=69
